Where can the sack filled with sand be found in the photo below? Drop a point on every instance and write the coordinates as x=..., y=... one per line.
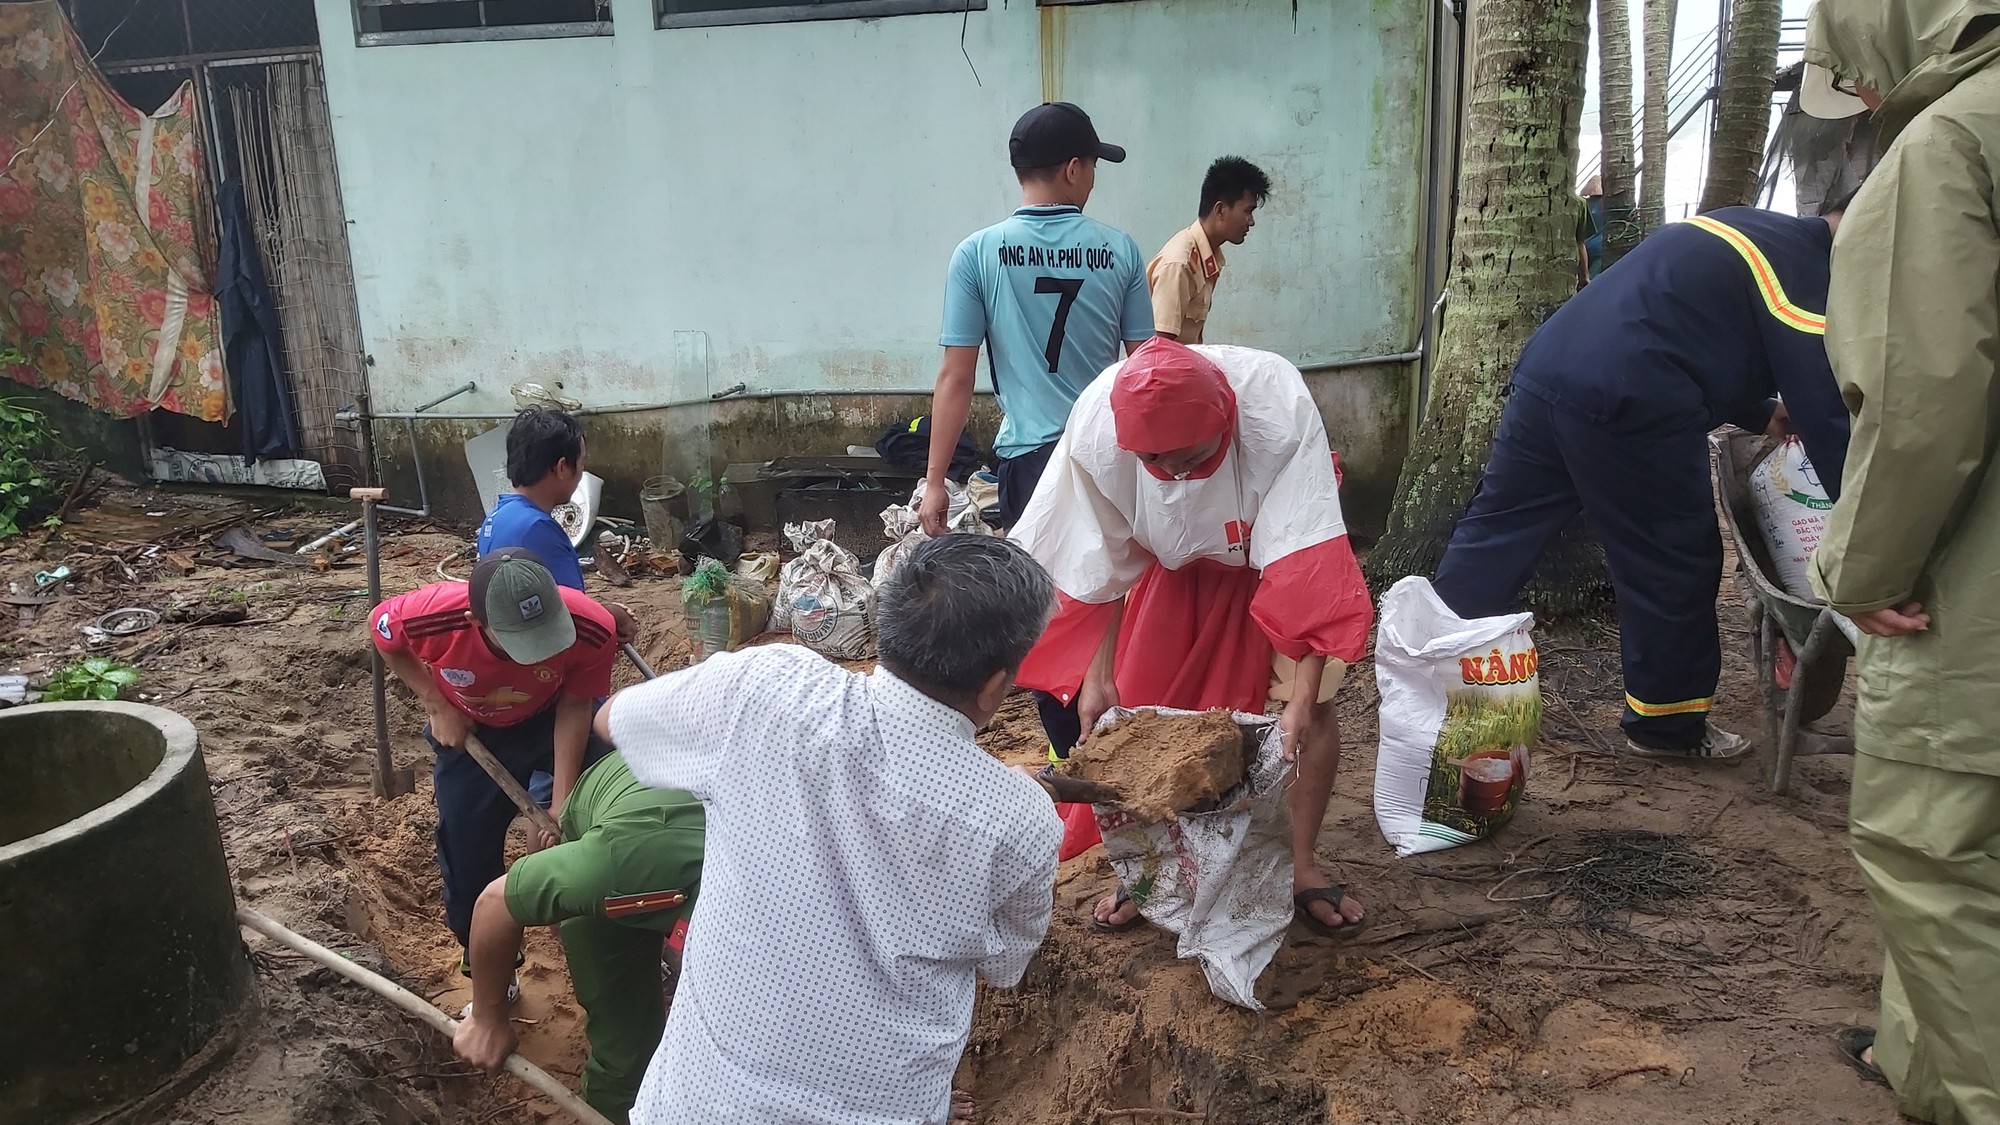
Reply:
x=1202, y=838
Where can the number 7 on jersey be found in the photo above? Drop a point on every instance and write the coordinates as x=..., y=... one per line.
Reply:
x=1069, y=288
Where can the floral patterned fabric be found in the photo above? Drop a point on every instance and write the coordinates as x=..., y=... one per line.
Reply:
x=104, y=286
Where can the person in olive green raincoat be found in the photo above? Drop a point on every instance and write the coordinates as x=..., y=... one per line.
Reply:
x=1912, y=550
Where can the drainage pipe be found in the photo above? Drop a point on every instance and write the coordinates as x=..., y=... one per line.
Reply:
x=742, y=393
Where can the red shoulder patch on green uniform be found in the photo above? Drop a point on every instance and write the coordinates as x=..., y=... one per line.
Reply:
x=624, y=906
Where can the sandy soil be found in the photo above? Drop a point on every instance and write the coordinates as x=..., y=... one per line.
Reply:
x=1164, y=764
x=1467, y=999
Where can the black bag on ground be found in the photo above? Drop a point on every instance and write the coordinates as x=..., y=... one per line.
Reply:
x=907, y=446
x=708, y=537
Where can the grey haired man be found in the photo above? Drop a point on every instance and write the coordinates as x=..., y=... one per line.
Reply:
x=867, y=862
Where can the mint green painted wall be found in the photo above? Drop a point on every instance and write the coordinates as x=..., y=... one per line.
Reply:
x=657, y=215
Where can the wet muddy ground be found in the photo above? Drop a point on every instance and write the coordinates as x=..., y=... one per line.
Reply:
x=1474, y=995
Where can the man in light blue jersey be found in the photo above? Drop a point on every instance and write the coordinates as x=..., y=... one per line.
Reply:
x=1050, y=293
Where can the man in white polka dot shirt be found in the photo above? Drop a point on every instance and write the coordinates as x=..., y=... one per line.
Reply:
x=866, y=861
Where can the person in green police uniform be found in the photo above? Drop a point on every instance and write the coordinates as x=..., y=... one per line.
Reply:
x=625, y=876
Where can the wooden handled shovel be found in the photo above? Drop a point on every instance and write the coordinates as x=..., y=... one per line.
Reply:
x=536, y=814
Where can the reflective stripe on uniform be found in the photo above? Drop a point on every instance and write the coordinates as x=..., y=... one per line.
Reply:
x=1773, y=292
x=1657, y=710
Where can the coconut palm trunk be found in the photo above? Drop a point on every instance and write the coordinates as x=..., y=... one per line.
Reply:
x=1743, y=104
x=1614, y=108
x=1657, y=17
x=1513, y=262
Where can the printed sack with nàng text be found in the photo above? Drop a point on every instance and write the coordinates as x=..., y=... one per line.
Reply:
x=1461, y=705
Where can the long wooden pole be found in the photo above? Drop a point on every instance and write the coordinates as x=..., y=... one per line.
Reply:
x=417, y=1006
x=385, y=766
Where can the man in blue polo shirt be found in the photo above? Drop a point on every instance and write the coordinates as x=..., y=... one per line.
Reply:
x=1050, y=293
x=544, y=464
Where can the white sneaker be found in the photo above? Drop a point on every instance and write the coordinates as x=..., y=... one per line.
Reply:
x=513, y=997
x=1717, y=745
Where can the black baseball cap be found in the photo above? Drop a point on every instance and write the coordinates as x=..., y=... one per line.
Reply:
x=1055, y=132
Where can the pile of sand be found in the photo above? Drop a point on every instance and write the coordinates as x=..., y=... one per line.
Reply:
x=1164, y=764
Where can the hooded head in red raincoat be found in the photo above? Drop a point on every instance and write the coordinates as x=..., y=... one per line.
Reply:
x=1195, y=488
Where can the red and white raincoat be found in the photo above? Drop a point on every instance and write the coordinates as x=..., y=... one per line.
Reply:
x=1240, y=557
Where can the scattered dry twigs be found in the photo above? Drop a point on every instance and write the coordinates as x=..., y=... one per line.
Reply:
x=1656, y=1068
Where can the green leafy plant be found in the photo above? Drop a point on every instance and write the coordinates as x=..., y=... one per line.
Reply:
x=98, y=677
x=25, y=488
x=707, y=487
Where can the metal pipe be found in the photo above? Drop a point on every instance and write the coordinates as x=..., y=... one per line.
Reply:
x=632, y=653
x=448, y=396
x=210, y=58
x=359, y=412
x=336, y=533
x=361, y=402
x=738, y=392
x=1365, y=361
x=1442, y=15
x=734, y=395
x=423, y=509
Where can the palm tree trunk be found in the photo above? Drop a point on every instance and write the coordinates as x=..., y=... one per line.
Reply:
x=1743, y=104
x=1513, y=254
x=1658, y=17
x=1614, y=108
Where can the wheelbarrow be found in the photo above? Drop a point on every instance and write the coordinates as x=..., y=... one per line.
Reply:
x=1822, y=639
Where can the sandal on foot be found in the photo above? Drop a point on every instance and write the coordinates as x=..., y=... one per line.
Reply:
x=1302, y=909
x=1102, y=926
x=1853, y=1043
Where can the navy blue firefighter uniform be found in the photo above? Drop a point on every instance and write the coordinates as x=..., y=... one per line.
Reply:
x=1608, y=413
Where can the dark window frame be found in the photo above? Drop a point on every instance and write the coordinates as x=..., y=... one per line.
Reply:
x=496, y=33
x=666, y=19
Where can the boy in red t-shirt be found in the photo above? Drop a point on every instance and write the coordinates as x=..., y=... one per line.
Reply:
x=517, y=660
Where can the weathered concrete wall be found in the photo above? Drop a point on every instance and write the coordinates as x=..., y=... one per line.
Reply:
x=1364, y=409
x=627, y=448
x=111, y=442
x=658, y=215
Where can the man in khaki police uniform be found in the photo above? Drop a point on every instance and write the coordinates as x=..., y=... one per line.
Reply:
x=1183, y=274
